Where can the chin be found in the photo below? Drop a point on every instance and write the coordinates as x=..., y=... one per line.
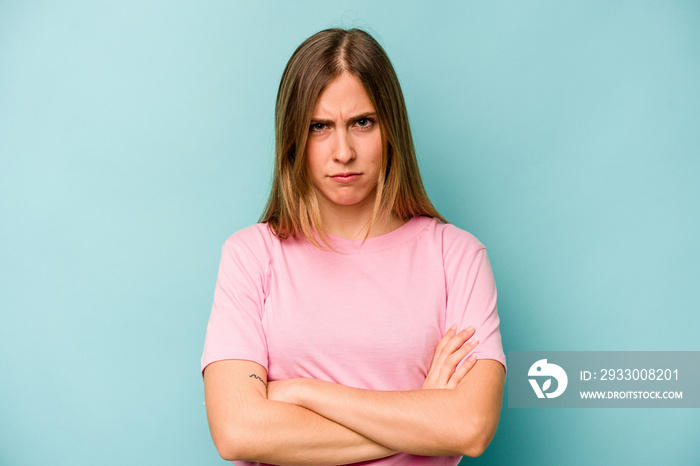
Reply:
x=348, y=199
x=346, y=203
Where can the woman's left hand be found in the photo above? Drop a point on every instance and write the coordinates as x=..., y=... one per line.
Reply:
x=452, y=348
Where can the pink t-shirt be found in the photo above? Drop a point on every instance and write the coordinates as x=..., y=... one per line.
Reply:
x=368, y=316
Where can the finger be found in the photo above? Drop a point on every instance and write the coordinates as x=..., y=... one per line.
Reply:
x=438, y=376
x=434, y=370
x=455, y=342
x=463, y=368
x=443, y=341
x=447, y=369
x=453, y=345
x=462, y=371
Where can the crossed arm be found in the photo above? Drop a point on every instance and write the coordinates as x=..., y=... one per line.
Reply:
x=309, y=422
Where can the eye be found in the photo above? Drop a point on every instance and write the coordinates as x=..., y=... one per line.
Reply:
x=317, y=127
x=364, y=123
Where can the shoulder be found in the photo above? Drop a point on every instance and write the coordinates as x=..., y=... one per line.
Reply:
x=254, y=237
x=256, y=242
x=452, y=239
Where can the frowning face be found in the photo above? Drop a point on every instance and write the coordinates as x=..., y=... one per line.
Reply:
x=344, y=148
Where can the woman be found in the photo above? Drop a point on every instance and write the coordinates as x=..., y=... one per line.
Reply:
x=327, y=341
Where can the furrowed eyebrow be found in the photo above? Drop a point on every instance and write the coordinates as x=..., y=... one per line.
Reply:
x=353, y=118
x=365, y=115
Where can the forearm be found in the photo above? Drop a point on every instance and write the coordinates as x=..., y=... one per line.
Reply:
x=283, y=433
x=416, y=422
x=422, y=422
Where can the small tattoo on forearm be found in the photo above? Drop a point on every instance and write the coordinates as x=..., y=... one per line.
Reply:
x=256, y=377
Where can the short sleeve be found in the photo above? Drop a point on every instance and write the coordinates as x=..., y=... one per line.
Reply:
x=235, y=329
x=471, y=293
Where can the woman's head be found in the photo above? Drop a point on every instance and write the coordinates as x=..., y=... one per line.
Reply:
x=293, y=207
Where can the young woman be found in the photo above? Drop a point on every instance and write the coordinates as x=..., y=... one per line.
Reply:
x=340, y=321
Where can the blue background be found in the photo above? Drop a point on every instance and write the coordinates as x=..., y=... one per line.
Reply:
x=136, y=136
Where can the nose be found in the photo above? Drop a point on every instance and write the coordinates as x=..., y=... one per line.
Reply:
x=344, y=151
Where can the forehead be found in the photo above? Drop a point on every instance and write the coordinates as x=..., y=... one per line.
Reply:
x=344, y=96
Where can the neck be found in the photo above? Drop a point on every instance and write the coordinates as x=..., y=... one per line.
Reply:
x=352, y=222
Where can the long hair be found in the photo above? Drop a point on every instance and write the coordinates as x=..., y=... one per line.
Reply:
x=292, y=209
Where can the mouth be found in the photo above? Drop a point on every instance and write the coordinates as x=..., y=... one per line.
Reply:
x=345, y=177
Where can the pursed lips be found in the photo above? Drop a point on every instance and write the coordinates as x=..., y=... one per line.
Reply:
x=345, y=177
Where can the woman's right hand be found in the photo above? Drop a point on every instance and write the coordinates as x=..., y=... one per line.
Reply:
x=452, y=348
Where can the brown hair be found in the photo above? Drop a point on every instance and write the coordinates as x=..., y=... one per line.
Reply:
x=292, y=208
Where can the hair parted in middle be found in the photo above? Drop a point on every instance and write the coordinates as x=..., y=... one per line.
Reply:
x=292, y=209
